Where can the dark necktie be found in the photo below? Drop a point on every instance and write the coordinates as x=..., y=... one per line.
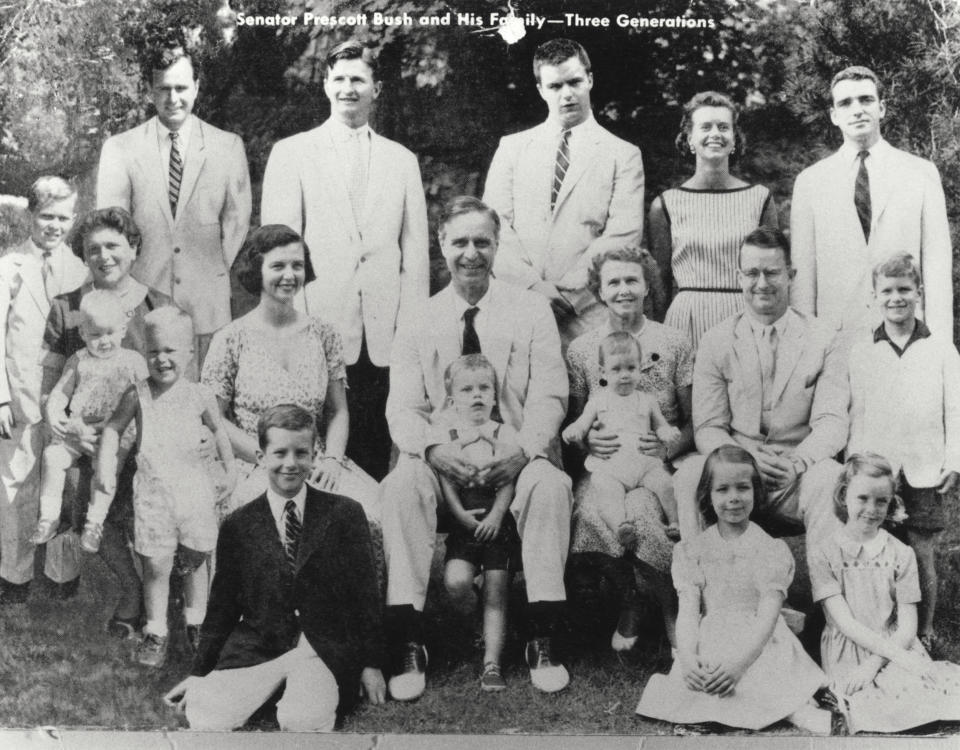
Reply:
x=49, y=279
x=561, y=167
x=861, y=194
x=176, y=171
x=471, y=342
x=291, y=535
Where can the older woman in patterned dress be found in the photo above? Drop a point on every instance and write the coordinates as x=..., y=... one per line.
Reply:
x=621, y=279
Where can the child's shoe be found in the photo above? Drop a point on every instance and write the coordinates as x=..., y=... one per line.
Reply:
x=491, y=681
x=46, y=530
x=673, y=532
x=123, y=628
x=627, y=535
x=91, y=537
x=152, y=651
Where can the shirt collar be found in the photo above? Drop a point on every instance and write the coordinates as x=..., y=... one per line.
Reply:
x=38, y=252
x=342, y=132
x=278, y=502
x=781, y=324
x=851, y=154
x=920, y=331
x=580, y=127
x=461, y=305
x=163, y=133
x=866, y=550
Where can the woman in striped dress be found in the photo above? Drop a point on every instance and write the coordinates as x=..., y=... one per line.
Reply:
x=696, y=229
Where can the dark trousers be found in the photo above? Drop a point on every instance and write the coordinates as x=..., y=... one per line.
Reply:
x=369, y=442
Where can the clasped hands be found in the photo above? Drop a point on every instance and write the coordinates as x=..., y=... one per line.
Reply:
x=447, y=459
x=715, y=679
x=601, y=444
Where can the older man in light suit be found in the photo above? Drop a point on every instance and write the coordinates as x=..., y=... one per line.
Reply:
x=515, y=330
x=566, y=190
x=357, y=200
x=187, y=186
x=31, y=274
x=773, y=381
x=861, y=205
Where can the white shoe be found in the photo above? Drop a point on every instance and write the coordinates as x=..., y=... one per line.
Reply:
x=411, y=680
x=621, y=642
x=546, y=676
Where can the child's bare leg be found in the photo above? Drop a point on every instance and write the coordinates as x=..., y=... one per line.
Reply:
x=100, y=502
x=195, y=591
x=458, y=578
x=156, y=591
x=57, y=459
x=660, y=483
x=924, y=545
x=495, y=596
x=610, y=494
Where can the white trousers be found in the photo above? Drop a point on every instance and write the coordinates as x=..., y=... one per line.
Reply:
x=226, y=698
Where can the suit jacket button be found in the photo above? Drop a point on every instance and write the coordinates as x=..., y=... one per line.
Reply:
x=176, y=280
x=363, y=260
x=296, y=613
x=176, y=249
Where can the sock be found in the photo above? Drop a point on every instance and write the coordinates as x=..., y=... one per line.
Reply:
x=157, y=627
x=544, y=617
x=404, y=624
x=193, y=615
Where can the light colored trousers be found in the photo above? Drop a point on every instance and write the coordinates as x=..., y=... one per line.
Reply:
x=541, y=506
x=226, y=698
x=809, y=500
x=20, y=511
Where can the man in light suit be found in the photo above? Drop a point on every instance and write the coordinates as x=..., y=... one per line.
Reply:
x=187, y=186
x=31, y=274
x=773, y=381
x=515, y=330
x=565, y=190
x=357, y=200
x=861, y=205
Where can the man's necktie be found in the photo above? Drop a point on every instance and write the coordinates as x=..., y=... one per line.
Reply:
x=471, y=342
x=561, y=167
x=176, y=171
x=768, y=363
x=356, y=173
x=861, y=194
x=291, y=535
x=49, y=279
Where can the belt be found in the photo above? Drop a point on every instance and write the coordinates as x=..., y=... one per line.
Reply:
x=712, y=289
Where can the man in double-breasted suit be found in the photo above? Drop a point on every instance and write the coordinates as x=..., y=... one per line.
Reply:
x=31, y=275
x=294, y=601
x=357, y=200
x=862, y=204
x=566, y=190
x=187, y=186
x=515, y=330
x=773, y=381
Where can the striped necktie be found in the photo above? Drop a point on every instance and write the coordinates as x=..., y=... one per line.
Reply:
x=861, y=195
x=176, y=171
x=291, y=536
x=561, y=167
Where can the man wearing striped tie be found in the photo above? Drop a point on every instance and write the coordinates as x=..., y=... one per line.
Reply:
x=187, y=186
x=566, y=190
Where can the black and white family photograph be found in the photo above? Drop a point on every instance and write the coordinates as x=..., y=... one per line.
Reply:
x=522, y=367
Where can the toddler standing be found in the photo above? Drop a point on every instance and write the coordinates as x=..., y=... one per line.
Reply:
x=173, y=492
x=737, y=662
x=484, y=535
x=627, y=413
x=93, y=381
x=867, y=581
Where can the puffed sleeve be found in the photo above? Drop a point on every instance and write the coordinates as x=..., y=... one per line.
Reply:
x=220, y=366
x=824, y=581
x=775, y=567
x=333, y=351
x=686, y=572
x=906, y=578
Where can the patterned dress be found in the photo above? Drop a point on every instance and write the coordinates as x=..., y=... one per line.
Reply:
x=707, y=228
x=667, y=367
x=730, y=577
x=872, y=578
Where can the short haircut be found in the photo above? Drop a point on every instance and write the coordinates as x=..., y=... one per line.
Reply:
x=351, y=50
x=155, y=59
x=47, y=189
x=728, y=454
x=101, y=306
x=467, y=204
x=166, y=318
x=856, y=73
x=873, y=465
x=259, y=242
x=769, y=238
x=468, y=363
x=557, y=52
x=619, y=342
x=630, y=254
x=708, y=99
x=285, y=417
x=898, y=264
x=115, y=218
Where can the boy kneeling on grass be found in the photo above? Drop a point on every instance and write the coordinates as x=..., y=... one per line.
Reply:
x=294, y=601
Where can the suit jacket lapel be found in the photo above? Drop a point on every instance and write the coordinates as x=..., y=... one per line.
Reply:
x=378, y=175
x=316, y=521
x=265, y=528
x=329, y=171
x=745, y=351
x=193, y=164
x=788, y=355
x=150, y=162
x=580, y=159
x=499, y=335
x=448, y=323
x=31, y=276
x=883, y=181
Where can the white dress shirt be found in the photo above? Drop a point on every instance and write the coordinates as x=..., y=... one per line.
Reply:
x=278, y=503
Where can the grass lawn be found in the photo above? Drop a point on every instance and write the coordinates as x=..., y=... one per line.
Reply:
x=60, y=668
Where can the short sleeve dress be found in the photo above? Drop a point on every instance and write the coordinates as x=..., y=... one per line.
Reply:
x=667, y=367
x=730, y=576
x=873, y=577
x=707, y=228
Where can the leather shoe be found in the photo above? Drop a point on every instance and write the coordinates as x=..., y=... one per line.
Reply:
x=410, y=680
x=546, y=676
x=625, y=636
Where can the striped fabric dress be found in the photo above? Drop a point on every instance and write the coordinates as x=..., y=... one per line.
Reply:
x=707, y=228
